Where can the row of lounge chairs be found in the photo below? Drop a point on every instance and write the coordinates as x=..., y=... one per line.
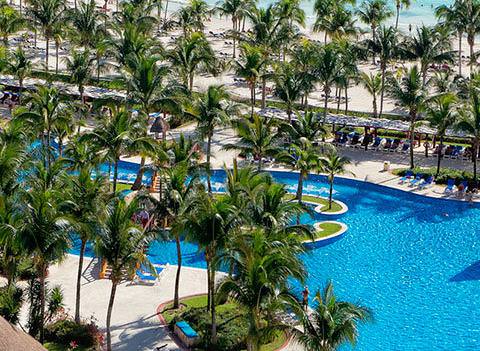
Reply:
x=357, y=140
x=453, y=152
x=416, y=180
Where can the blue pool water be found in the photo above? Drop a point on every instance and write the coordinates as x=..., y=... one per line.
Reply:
x=415, y=261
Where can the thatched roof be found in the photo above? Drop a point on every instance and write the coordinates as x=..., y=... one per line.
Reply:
x=13, y=339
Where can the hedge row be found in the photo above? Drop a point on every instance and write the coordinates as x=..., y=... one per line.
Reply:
x=442, y=178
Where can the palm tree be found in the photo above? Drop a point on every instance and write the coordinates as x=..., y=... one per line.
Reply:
x=374, y=13
x=429, y=45
x=409, y=93
x=20, y=67
x=328, y=69
x=249, y=67
x=304, y=159
x=236, y=9
x=288, y=86
x=386, y=46
x=189, y=55
x=86, y=21
x=11, y=21
x=47, y=13
x=263, y=265
x=211, y=111
x=399, y=4
x=84, y=201
x=472, y=26
x=470, y=122
x=80, y=68
x=337, y=24
x=373, y=84
x=117, y=133
x=332, y=164
x=209, y=223
x=307, y=126
x=333, y=322
x=441, y=113
x=121, y=243
x=58, y=34
x=453, y=17
x=43, y=232
x=258, y=138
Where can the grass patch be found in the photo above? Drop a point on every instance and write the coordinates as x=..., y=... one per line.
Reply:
x=123, y=186
x=336, y=207
x=232, y=325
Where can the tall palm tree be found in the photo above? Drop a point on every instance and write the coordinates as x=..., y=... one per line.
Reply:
x=121, y=243
x=258, y=138
x=211, y=111
x=47, y=13
x=189, y=55
x=441, y=113
x=374, y=13
x=373, y=84
x=327, y=70
x=59, y=33
x=332, y=323
x=429, y=45
x=288, y=86
x=43, y=232
x=86, y=22
x=11, y=22
x=209, y=223
x=472, y=26
x=337, y=24
x=20, y=67
x=236, y=9
x=80, y=68
x=304, y=159
x=469, y=122
x=307, y=126
x=84, y=201
x=400, y=4
x=386, y=46
x=249, y=67
x=263, y=267
x=410, y=94
x=454, y=17
x=117, y=133
x=332, y=164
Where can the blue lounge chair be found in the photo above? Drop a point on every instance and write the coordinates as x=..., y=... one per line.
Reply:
x=426, y=183
x=416, y=180
x=450, y=185
x=408, y=175
x=376, y=142
x=405, y=147
x=145, y=277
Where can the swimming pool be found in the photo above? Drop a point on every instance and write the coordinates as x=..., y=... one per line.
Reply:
x=414, y=260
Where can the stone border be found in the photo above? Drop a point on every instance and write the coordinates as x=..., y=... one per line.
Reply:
x=319, y=207
x=163, y=322
x=342, y=230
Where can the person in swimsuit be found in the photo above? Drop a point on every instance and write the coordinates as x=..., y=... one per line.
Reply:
x=305, y=294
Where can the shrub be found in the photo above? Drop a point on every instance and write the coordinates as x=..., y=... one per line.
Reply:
x=443, y=176
x=66, y=331
x=10, y=303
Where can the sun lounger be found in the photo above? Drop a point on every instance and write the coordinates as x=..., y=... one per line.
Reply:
x=450, y=185
x=387, y=145
x=376, y=143
x=405, y=147
x=426, y=183
x=395, y=145
x=408, y=175
x=416, y=180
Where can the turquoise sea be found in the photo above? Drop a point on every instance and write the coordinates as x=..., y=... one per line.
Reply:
x=420, y=11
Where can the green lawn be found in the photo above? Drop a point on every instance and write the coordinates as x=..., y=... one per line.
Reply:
x=123, y=186
x=227, y=308
x=336, y=207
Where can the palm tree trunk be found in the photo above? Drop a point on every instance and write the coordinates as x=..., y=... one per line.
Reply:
x=56, y=58
x=346, y=98
x=439, y=156
x=209, y=149
x=209, y=297
x=47, y=43
x=471, y=56
x=398, y=15
x=338, y=99
x=234, y=38
x=159, y=13
x=412, y=138
x=326, y=90
x=179, y=267
x=115, y=175
x=382, y=93
x=213, y=308
x=109, y=314
x=166, y=10
x=79, y=278
x=474, y=158
x=330, y=193
x=42, y=302
x=460, y=53
x=374, y=36
x=138, y=180
x=190, y=83
x=300, y=187
x=374, y=105
x=264, y=91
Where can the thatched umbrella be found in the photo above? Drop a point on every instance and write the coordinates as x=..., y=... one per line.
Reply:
x=14, y=339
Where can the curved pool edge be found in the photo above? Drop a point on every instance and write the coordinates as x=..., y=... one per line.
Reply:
x=327, y=239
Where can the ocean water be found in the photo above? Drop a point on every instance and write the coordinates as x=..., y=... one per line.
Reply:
x=414, y=261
